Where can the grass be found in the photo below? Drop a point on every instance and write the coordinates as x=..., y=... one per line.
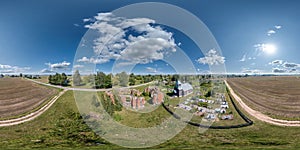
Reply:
x=43, y=79
x=61, y=127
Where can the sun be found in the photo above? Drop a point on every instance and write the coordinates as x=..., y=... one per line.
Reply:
x=269, y=49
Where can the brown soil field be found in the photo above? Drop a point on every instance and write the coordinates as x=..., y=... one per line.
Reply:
x=18, y=96
x=275, y=96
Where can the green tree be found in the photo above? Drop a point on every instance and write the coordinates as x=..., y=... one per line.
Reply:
x=100, y=80
x=107, y=81
x=63, y=79
x=131, y=79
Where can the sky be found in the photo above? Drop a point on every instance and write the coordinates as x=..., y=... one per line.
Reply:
x=44, y=36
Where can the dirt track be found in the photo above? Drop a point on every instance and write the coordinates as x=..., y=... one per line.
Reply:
x=258, y=115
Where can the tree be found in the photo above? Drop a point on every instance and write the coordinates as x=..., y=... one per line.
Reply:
x=175, y=77
x=63, y=79
x=77, y=78
x=131, y=79
x=50, y=79
x=107, y=81
x=21, y=75
x=58, y=79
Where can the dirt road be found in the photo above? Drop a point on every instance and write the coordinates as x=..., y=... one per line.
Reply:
x=260, y=116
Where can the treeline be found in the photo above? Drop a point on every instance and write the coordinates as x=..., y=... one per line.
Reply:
x=102, y=80
x=123, y=79
x=59, y=79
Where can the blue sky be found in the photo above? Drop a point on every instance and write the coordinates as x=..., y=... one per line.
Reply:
x=254, y=36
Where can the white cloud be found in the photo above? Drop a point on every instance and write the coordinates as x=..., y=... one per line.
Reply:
x=290, y=65
x=179, y=44
x=152, y=70
x=62, y=65
x=76, y=25
x=276, y=62
x=251, y=58
x=278, y=27
x=270, y=32
x=87, y=20
x=274, y=30
x=247, y=70
x=92, y=60
x=46, y=71
x=151, y=44
x=145, y=50
x=212, y=58
x=78, y=66
x=243, y=58
x=279, y=70
x=5, y=66
x=12, y=69
x=284, y=66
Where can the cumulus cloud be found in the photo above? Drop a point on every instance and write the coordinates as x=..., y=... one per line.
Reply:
x=274, y=30
x=251, y=58
x=46, y=71
x=115, y=42
x=248, y=70
x=87, y=20
x=290, y=65
x=61, y=65
x=279, y=70
x=152, y=70
x=78, y=66
x=212, y=58
x=92, y=60
x=278, y=27
x=276, y=62
x=12, y=69
x=270, y=32
x=284, y=66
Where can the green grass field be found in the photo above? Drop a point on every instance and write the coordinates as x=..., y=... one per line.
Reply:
x=61, y=127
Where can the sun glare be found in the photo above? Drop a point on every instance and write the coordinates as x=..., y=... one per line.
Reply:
x=269, y=49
